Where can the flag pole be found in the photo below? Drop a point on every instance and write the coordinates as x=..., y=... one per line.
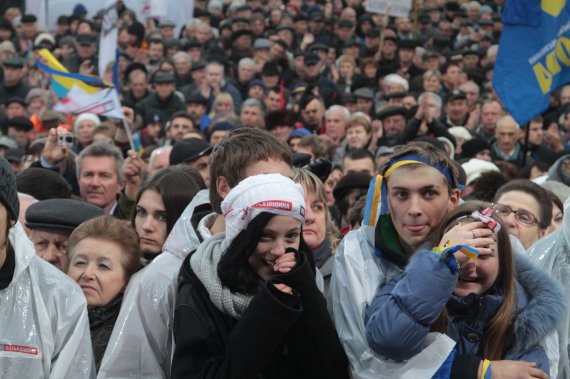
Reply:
x=525, y=147
x=129, y=133
x=415, y=16
x=47, y=14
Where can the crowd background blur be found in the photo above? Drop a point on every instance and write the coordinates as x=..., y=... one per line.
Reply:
x=341, y=87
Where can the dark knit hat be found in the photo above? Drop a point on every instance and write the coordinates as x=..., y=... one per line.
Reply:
x=8, y=192
x=197, y=98
x=280, y=117
x=28, y=18
x=352, y=180
x=66, y=214
x=240, y=33
x=20, y=123
x=222, y=126
x=471, y=148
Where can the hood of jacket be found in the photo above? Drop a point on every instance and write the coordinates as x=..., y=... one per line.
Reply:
x=183, y=238
x=555, y=171
x=545, y=309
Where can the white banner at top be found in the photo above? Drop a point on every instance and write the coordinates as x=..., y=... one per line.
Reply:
x=39, y=9
x=177, y=11
x=396, y=8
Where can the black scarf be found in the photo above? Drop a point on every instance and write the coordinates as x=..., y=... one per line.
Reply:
x=322, y=253
x=98, y=316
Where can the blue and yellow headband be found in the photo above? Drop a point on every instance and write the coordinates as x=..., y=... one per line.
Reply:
x=376, y=198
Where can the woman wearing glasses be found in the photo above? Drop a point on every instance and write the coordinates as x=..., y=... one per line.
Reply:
x=526, y=210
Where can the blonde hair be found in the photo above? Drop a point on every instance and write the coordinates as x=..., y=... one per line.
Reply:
x=359, y=119
x=430, y=73
x=346, y=59
x=222, y=96
x=313, y=185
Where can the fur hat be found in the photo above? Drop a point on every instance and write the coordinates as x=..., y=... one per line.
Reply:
x=460, y=132
x=475, y=167
x=86, y=117
x=273, y=193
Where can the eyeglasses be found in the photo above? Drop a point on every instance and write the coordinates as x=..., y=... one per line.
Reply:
x=522, y=216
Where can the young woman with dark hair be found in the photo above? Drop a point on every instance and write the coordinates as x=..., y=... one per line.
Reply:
x=248, y=305
x=159, y=203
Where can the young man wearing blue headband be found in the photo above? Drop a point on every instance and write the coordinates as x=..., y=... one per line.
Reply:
x=405, y=206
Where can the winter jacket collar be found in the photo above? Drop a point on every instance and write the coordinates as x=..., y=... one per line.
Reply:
x=476, y=308
x=539, y=306
x=545, y=307
x=98, y=316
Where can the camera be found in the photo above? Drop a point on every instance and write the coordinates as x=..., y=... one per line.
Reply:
x=65, y=139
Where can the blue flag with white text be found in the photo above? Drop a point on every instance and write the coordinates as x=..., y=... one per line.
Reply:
x=534, y=55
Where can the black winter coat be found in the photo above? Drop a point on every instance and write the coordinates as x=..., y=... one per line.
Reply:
x=278, y=336
x=168, y=106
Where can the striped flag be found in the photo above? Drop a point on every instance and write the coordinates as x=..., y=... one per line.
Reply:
x=79, y=93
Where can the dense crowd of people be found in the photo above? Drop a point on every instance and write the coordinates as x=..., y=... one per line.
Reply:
x=311, y=190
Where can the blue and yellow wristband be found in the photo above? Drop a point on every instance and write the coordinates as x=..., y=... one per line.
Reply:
x=446, y=253
x=486, y=369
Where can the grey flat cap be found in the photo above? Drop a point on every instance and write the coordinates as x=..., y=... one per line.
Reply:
x=66, y=214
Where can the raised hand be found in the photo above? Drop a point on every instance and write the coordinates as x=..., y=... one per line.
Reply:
x=53, y=151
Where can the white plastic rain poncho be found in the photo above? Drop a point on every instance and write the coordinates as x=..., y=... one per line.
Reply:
x=357, y=276
x=141, y=344
x=44, y=327
x=552, y=253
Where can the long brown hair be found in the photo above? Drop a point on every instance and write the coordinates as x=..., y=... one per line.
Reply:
x=498, y=327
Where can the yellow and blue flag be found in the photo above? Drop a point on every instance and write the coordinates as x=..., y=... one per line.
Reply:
x=79, y=93
x=534, y=55
x=62, y=80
